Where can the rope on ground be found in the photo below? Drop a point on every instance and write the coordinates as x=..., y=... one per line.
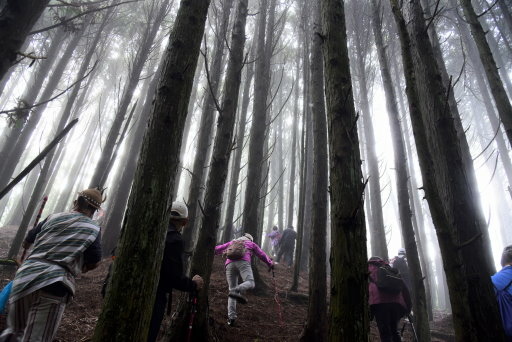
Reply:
x=278, y=303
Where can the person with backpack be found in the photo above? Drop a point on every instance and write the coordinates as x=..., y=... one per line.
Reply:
x=287, y=246
x=274, y=236
x=172, y=270
x=400, y=263
x=502, y=282
x=388, y=297
x=64, y=245
x=238, y=264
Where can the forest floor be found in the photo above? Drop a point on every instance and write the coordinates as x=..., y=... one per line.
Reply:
x=259, y=320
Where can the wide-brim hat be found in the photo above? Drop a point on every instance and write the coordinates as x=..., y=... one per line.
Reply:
x=94, y=197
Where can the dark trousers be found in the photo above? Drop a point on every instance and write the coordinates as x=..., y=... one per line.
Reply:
x=158, y=313
x=287, y=254
x=388, y=316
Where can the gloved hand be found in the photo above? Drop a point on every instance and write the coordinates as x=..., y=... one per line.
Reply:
x=198, y=281
x=271, y=267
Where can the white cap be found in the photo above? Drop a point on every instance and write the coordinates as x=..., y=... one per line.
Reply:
x=249, y=236
x=179, y=210
x=401, y=251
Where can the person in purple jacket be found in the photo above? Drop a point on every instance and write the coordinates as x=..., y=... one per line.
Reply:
x=242, y=268
x=386, y=307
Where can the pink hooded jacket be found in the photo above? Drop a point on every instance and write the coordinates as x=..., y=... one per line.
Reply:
x=251, y=248
x=379, y=297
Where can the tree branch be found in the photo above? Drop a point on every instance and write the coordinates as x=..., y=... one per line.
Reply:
x=65, y=21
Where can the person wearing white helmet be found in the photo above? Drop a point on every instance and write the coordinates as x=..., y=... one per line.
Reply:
x=172, y=270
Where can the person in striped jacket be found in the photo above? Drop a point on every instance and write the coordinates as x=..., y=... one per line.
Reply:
x=64, y=245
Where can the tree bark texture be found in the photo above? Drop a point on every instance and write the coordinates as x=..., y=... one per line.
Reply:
x=256, y=160
x=448, y=185
x=295, y=128
x=348, y=310
x=17, y=149
x=16, y=20
x=152, y=25
x=316, y=323
x=235, y=176
x=29, y=97
x=202, y=259
x=377, y=232
x=118, y=202
x=498, y=92
x=130, y=299
x=206, y=128
x=404, y=208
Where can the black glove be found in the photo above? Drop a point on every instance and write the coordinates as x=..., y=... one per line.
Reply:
x=271, y=268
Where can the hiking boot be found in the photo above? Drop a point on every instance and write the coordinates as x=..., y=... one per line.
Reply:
x=238, y=296
x=231, y=322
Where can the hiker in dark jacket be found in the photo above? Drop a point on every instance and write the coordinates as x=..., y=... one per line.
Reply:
x=287, y=246
x=172, y=270
x=502, y=281
x=400, y=263
x=386, y=307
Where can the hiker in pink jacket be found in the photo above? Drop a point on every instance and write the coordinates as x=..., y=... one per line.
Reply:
x=386, y=307
x=241, y=266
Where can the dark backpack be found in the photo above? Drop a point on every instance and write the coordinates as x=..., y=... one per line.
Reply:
x=505, y=303
x=236, y=250
x=389, y=279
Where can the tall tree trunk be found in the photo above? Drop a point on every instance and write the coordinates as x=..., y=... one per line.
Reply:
x=29, y=97
x=105, y=163
x=301, y=202
x=293, y=150
x=49, y=162
x=498, y=92
x=348, y=309
x=408, y=234
x=416, y=205
x=131, y=298
x=316, y=324
x=202, y=259
x=482, y=87
x=233, y=186
x=280, y=169
x=114, y=219
x=305, y=185
x=377, y=233
x=17, y=149
x=449, y=185
x=257, y=136
x=505, y=10
x=206, y=129
x=16, y=21
x=188, y=124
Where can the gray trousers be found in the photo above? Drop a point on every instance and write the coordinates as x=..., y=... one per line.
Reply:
x=34, y=317
x=233, y=269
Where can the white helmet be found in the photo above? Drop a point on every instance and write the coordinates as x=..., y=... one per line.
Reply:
x=179, y=210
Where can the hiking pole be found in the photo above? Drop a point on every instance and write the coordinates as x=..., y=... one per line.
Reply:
x=38, y=217
x=409, y=317
x=193, y=310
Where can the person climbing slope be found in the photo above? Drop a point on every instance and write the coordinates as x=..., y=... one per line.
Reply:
x=274, y=236
x=389, y=299
x=238, y=263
